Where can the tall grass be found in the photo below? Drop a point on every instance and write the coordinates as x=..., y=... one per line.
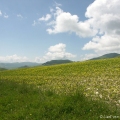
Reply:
x=26, y=102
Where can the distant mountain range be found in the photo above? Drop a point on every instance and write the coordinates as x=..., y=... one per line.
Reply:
x=18, y=65
x=54, y=62
x=106, y=56
x=4, y=66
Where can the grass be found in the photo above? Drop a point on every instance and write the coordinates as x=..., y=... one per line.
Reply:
x=26, y=102
x=75, y=91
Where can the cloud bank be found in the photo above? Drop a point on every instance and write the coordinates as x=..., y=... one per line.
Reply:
x=13, y=58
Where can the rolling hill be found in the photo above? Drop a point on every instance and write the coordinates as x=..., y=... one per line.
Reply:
x=54, y=62
x=106, y=56
x=73, y=91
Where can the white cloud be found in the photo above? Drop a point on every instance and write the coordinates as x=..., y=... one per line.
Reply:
x=57, y=4
x=46, y=18
x=55, y=52
x=108, y=43
x=51, y=23
x=57, y=48
x=34, y=23
x=104, y=16
x=102, y=23
x=20, y=16
x=65, y=22
x=51, y=10
x=0, y=13
x=13, y=58
x=6, y=16
x=88, y=56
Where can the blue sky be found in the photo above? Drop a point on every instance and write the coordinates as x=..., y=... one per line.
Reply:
x=42, y=30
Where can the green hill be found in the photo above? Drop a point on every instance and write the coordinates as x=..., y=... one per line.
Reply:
x=73, y=91
x=106, y=56
x=54, y=62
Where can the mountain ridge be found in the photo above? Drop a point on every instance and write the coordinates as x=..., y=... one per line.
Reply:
x=51, y=62
x=54, y=62
x=107, y=56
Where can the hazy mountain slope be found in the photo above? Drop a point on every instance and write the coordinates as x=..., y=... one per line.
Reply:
x=110, y=55
x=17, y=65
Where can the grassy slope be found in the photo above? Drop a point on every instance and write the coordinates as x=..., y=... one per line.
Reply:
x=74, y=91
x=2, y=69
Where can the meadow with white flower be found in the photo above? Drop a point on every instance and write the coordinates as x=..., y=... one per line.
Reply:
x=75, y=91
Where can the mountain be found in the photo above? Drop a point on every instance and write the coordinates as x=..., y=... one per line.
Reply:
x=30, y=64
x=54, y=62
x=106, y=56
x=18, y=65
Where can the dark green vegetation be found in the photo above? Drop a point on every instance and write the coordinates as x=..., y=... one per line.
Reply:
x=26, y=102
x=17, y=65
x=25, y=66
x=106, y=56
x=54, y=62
x=1, y=69
x=74, y=91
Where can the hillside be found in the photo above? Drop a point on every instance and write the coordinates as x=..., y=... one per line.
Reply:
x=1, y=69
x=106, y=56
x=73, y=91
x=54, y=62
x=17, y=65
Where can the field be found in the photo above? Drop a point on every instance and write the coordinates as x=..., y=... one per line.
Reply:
x=88, y=90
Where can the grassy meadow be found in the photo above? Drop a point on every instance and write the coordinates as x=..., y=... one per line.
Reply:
x=88, y=90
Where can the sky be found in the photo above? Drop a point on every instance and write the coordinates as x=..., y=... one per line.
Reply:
x=43, y=30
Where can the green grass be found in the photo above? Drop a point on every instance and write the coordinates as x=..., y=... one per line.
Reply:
x=74, y=91
x=26, y=102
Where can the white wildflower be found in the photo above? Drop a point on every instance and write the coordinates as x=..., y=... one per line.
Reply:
x=97, y=93
x=100, y=96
